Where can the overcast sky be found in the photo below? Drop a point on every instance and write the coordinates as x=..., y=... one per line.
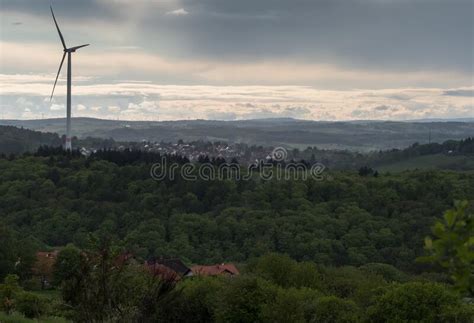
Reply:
x=240, y=59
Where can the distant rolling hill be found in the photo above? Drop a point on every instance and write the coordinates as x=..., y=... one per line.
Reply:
x=356, y=135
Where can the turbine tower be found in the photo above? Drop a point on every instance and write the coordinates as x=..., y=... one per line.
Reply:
x=68, y=51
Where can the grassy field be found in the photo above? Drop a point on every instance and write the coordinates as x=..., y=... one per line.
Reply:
x=19, y=318
x=438, y=161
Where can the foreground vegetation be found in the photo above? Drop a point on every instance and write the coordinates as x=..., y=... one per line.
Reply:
x=343, y=249
x=273, y=288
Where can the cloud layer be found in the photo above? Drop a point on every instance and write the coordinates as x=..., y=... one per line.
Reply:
x=132, y=62
x=149, y=101
x=376, y=34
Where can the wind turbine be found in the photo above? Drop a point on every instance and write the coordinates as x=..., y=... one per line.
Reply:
x=67, y=51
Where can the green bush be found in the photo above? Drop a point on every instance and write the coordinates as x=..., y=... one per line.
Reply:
x=244, y=298
x=351, y=283
x=331, y=309
x=32, y=284
x=275, y=268
x=285, y=272
x=31, y=305
x=419, y=302
x=290, y=305
x=8, y=292
x=196, y=300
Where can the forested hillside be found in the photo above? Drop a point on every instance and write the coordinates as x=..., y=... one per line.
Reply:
x=15, y=140
x=341, y=248
x=345, y=219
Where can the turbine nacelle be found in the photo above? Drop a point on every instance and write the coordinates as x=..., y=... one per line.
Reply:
x=73, y=49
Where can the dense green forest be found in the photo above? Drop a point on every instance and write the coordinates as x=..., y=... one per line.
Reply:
x=343, y=220
x=340, y=249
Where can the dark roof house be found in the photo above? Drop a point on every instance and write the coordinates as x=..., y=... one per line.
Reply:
x=169, y=268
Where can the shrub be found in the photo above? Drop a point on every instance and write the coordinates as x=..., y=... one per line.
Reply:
x=197, y=300
x=331, y=309
x=31, y=305
x=420, y=302
x=244, y=298
x=275, y=268
x=291, y=305
x=8, y=291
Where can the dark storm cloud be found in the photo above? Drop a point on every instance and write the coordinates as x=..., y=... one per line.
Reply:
x=70, y=9
x=379, y=34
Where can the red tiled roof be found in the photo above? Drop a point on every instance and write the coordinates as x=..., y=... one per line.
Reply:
x=214, y=270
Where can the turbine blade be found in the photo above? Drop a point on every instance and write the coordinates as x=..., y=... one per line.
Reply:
x=77, y=47
x=59, y=71
x=57, y=27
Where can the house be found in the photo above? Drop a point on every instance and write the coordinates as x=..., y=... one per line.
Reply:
x=168, y=268
x=215, y=270
x=44, y=266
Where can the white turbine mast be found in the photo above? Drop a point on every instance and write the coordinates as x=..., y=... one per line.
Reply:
x=68, y=51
